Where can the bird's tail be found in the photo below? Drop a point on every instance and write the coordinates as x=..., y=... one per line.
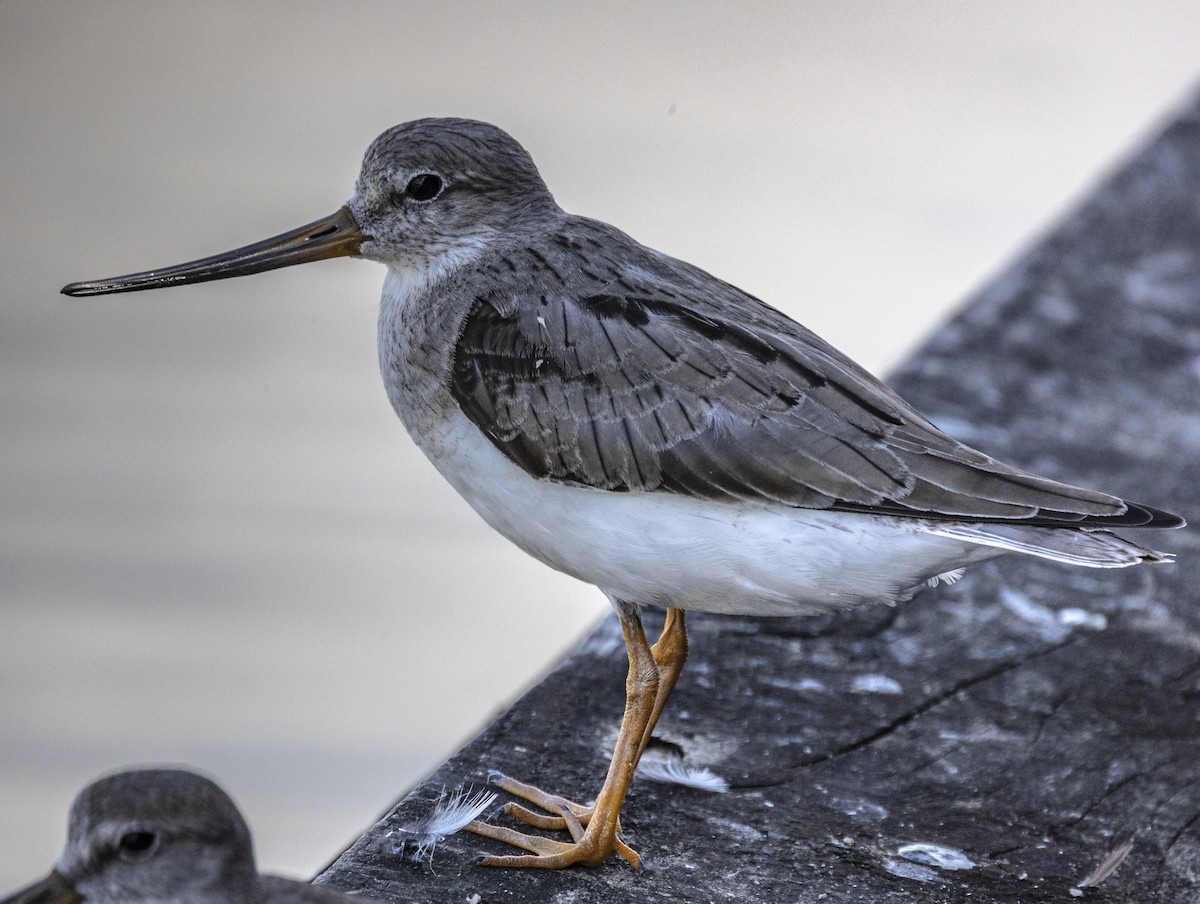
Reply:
x=1072, y=546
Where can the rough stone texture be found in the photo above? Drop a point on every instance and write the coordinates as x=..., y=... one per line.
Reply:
x=1032, y=717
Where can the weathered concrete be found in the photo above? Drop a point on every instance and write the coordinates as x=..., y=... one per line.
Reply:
x=1032, y=717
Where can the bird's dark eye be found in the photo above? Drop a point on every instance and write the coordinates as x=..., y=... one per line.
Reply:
x=136, y=846
x=423, y=187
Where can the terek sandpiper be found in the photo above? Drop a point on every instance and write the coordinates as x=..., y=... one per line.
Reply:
x=632, y=421
x=163, y=836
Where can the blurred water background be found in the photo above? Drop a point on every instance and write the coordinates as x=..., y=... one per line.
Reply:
x=217, y=546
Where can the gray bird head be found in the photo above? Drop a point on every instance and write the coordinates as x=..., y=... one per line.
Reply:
x=433, y=190
x=152, y=835
x=432, y=193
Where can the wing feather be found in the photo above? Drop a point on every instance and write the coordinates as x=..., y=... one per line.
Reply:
x=649, y=375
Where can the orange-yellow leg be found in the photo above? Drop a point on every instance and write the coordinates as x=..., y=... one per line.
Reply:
x=670, y=653
x=653, y=672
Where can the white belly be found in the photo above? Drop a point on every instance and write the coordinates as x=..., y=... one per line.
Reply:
x=669, y=550
x=653, y=548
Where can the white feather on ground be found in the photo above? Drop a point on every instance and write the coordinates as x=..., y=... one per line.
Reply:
x=417, y=840
x=675, y=772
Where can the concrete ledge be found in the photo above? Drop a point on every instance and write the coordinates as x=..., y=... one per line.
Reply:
x=1031, y=719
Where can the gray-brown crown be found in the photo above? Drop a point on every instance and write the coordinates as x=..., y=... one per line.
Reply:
x=487, y=185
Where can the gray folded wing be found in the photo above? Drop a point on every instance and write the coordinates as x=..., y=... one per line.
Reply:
x=656, y=377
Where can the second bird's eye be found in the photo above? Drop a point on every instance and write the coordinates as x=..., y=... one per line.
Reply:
x=423, y=187
x=137, y=845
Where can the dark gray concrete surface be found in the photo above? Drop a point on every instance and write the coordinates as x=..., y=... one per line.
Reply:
x=1031, y=718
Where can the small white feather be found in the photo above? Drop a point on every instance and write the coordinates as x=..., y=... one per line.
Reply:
x=417, y=840
x=947, y=577
x=675, y=772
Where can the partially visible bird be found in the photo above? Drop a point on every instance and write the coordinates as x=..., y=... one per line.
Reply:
x=641, y=425
x=162, y=836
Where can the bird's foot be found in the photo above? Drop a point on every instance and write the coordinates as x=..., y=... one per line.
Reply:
x=595, y=830
x=592, y=839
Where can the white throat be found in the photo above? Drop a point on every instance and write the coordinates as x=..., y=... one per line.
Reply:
x=411, y=277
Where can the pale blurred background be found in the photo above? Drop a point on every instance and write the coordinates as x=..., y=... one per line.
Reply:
x=217, y=546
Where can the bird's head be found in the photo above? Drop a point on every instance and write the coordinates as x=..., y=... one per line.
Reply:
x=149, y=836
x=431, y=192
x=434, y=188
